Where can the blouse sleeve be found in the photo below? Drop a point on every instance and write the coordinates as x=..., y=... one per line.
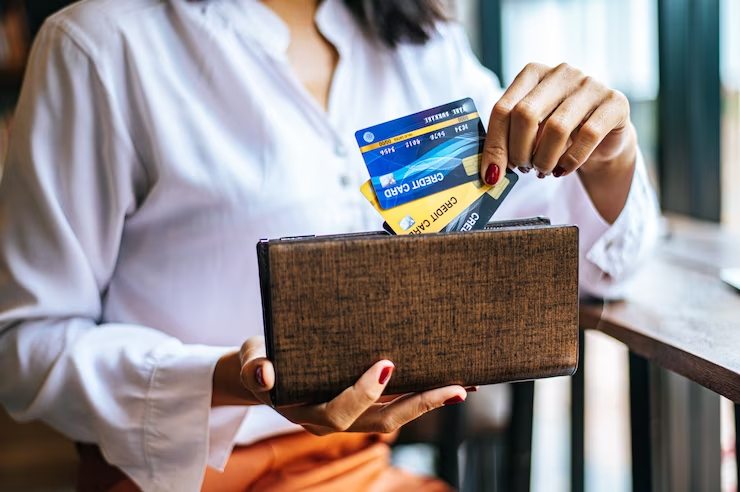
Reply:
x=71, y=179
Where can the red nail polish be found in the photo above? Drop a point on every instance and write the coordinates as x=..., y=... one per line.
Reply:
x=540, y=175
x=385, y=374
x=258, y=376
x=453, y=400
x=492, y=174
x=524, y=170
x=471, y=389
x=558, y=171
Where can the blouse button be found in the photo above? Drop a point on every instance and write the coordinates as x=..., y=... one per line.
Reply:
x=340, y=150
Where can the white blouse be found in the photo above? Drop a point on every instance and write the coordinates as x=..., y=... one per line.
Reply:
x=155, y=142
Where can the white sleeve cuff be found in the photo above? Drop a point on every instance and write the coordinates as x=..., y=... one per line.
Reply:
x=143, y=397
x=178, y=444
x=609, y=254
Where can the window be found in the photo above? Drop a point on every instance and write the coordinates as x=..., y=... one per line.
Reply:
x=730, y=77
x=614, y=41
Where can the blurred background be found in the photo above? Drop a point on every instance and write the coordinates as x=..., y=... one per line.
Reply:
x=678, y=61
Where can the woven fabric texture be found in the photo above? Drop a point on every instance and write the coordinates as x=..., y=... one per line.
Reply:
x=462, y=308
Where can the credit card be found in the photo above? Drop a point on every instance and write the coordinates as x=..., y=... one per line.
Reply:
x=465, y=207
x=477, y=215
x=423, y=153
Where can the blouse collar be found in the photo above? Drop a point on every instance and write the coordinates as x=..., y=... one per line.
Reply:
x=257, y=21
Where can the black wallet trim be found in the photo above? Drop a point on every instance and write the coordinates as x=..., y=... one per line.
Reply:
x=512, y=223
x=263, y=260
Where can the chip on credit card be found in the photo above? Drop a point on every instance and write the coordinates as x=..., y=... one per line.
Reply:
x=423, y=153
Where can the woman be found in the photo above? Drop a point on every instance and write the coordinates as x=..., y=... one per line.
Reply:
x=156, y=141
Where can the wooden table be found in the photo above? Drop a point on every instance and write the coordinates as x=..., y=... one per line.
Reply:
x=680, y=316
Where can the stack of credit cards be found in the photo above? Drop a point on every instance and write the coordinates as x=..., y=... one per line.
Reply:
x=424, y=171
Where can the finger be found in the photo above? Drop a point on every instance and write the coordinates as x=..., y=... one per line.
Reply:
x=557, y=129
x=401, y=411
x=390, y=398
x=524, y=169
x=258, y=376
x=496, y=146
x=611, y=115
x=257, y=372
x=340, y=413
x=251, y=349
x=318, y=430
x=535, y=107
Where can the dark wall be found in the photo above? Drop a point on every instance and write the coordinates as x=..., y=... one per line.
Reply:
x=37, y=10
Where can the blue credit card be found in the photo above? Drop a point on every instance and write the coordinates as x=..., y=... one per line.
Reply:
x=423, y=153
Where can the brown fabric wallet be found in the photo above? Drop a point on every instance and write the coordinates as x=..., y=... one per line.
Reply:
x=467, y=308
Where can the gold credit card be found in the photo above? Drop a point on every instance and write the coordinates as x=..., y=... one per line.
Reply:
x=433, y=213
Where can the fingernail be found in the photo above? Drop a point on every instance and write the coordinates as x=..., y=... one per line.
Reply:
x=471, y=389
x=524, y=170
x=540, y=175
x=385, y=374
x=558, y=171
x=453, y=400
x=258, y=376
x=492, y=174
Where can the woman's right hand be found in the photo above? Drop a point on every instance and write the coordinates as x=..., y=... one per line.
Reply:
x=357, y=409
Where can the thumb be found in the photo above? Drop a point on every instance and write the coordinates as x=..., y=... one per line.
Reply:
x=494, y=160
x=257, y=372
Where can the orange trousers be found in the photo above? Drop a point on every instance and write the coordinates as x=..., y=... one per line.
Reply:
x=294, y=462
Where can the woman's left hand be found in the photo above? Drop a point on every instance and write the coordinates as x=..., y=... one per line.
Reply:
x=556, y=121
